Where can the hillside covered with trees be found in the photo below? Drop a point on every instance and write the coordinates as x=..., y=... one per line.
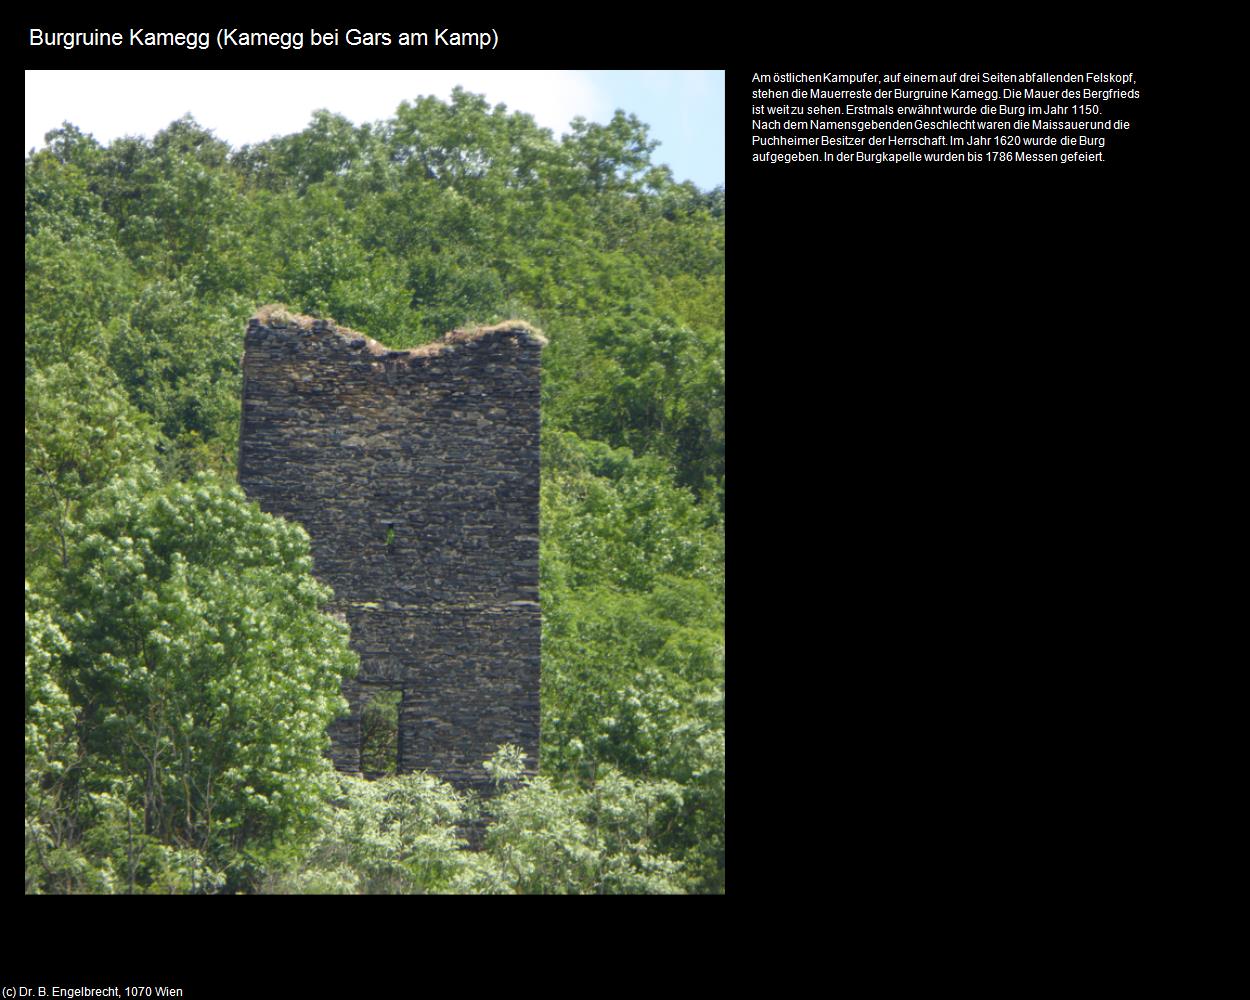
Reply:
x=179, y=670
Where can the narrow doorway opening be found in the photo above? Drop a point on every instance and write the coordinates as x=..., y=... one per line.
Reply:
x=379, y=734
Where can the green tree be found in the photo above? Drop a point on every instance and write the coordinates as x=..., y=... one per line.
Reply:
x=51, y=746
x=615, y=156
x=328, y=148
x=58, y=198
x=552, y=840
x=81, y=434
x=203, y=667
x=78, y=289
x=178, y=357
x=392, y=835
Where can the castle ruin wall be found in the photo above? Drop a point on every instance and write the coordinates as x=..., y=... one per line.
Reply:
x=416, y=475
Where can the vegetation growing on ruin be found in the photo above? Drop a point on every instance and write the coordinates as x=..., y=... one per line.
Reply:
x=179, y=673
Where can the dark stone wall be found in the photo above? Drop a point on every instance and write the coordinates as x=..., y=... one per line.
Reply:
x=416, y=475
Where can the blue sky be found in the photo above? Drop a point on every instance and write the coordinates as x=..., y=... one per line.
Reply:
x=684, y=109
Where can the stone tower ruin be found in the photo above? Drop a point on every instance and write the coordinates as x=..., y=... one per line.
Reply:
x=415, y=473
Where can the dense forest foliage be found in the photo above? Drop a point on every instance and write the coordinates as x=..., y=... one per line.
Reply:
x=180, y=672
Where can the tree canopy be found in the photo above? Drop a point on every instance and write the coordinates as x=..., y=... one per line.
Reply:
x=180, y=670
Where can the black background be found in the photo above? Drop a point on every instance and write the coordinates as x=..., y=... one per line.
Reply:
x=936, y=408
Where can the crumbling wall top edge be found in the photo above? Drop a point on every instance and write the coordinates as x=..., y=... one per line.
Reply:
x=277, y=317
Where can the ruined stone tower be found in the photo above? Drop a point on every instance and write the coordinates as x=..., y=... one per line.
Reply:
x=415, y=474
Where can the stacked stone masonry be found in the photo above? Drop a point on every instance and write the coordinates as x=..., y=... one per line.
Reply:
x=416, y=476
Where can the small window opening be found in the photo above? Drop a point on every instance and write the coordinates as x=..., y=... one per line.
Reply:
x=379, y=734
